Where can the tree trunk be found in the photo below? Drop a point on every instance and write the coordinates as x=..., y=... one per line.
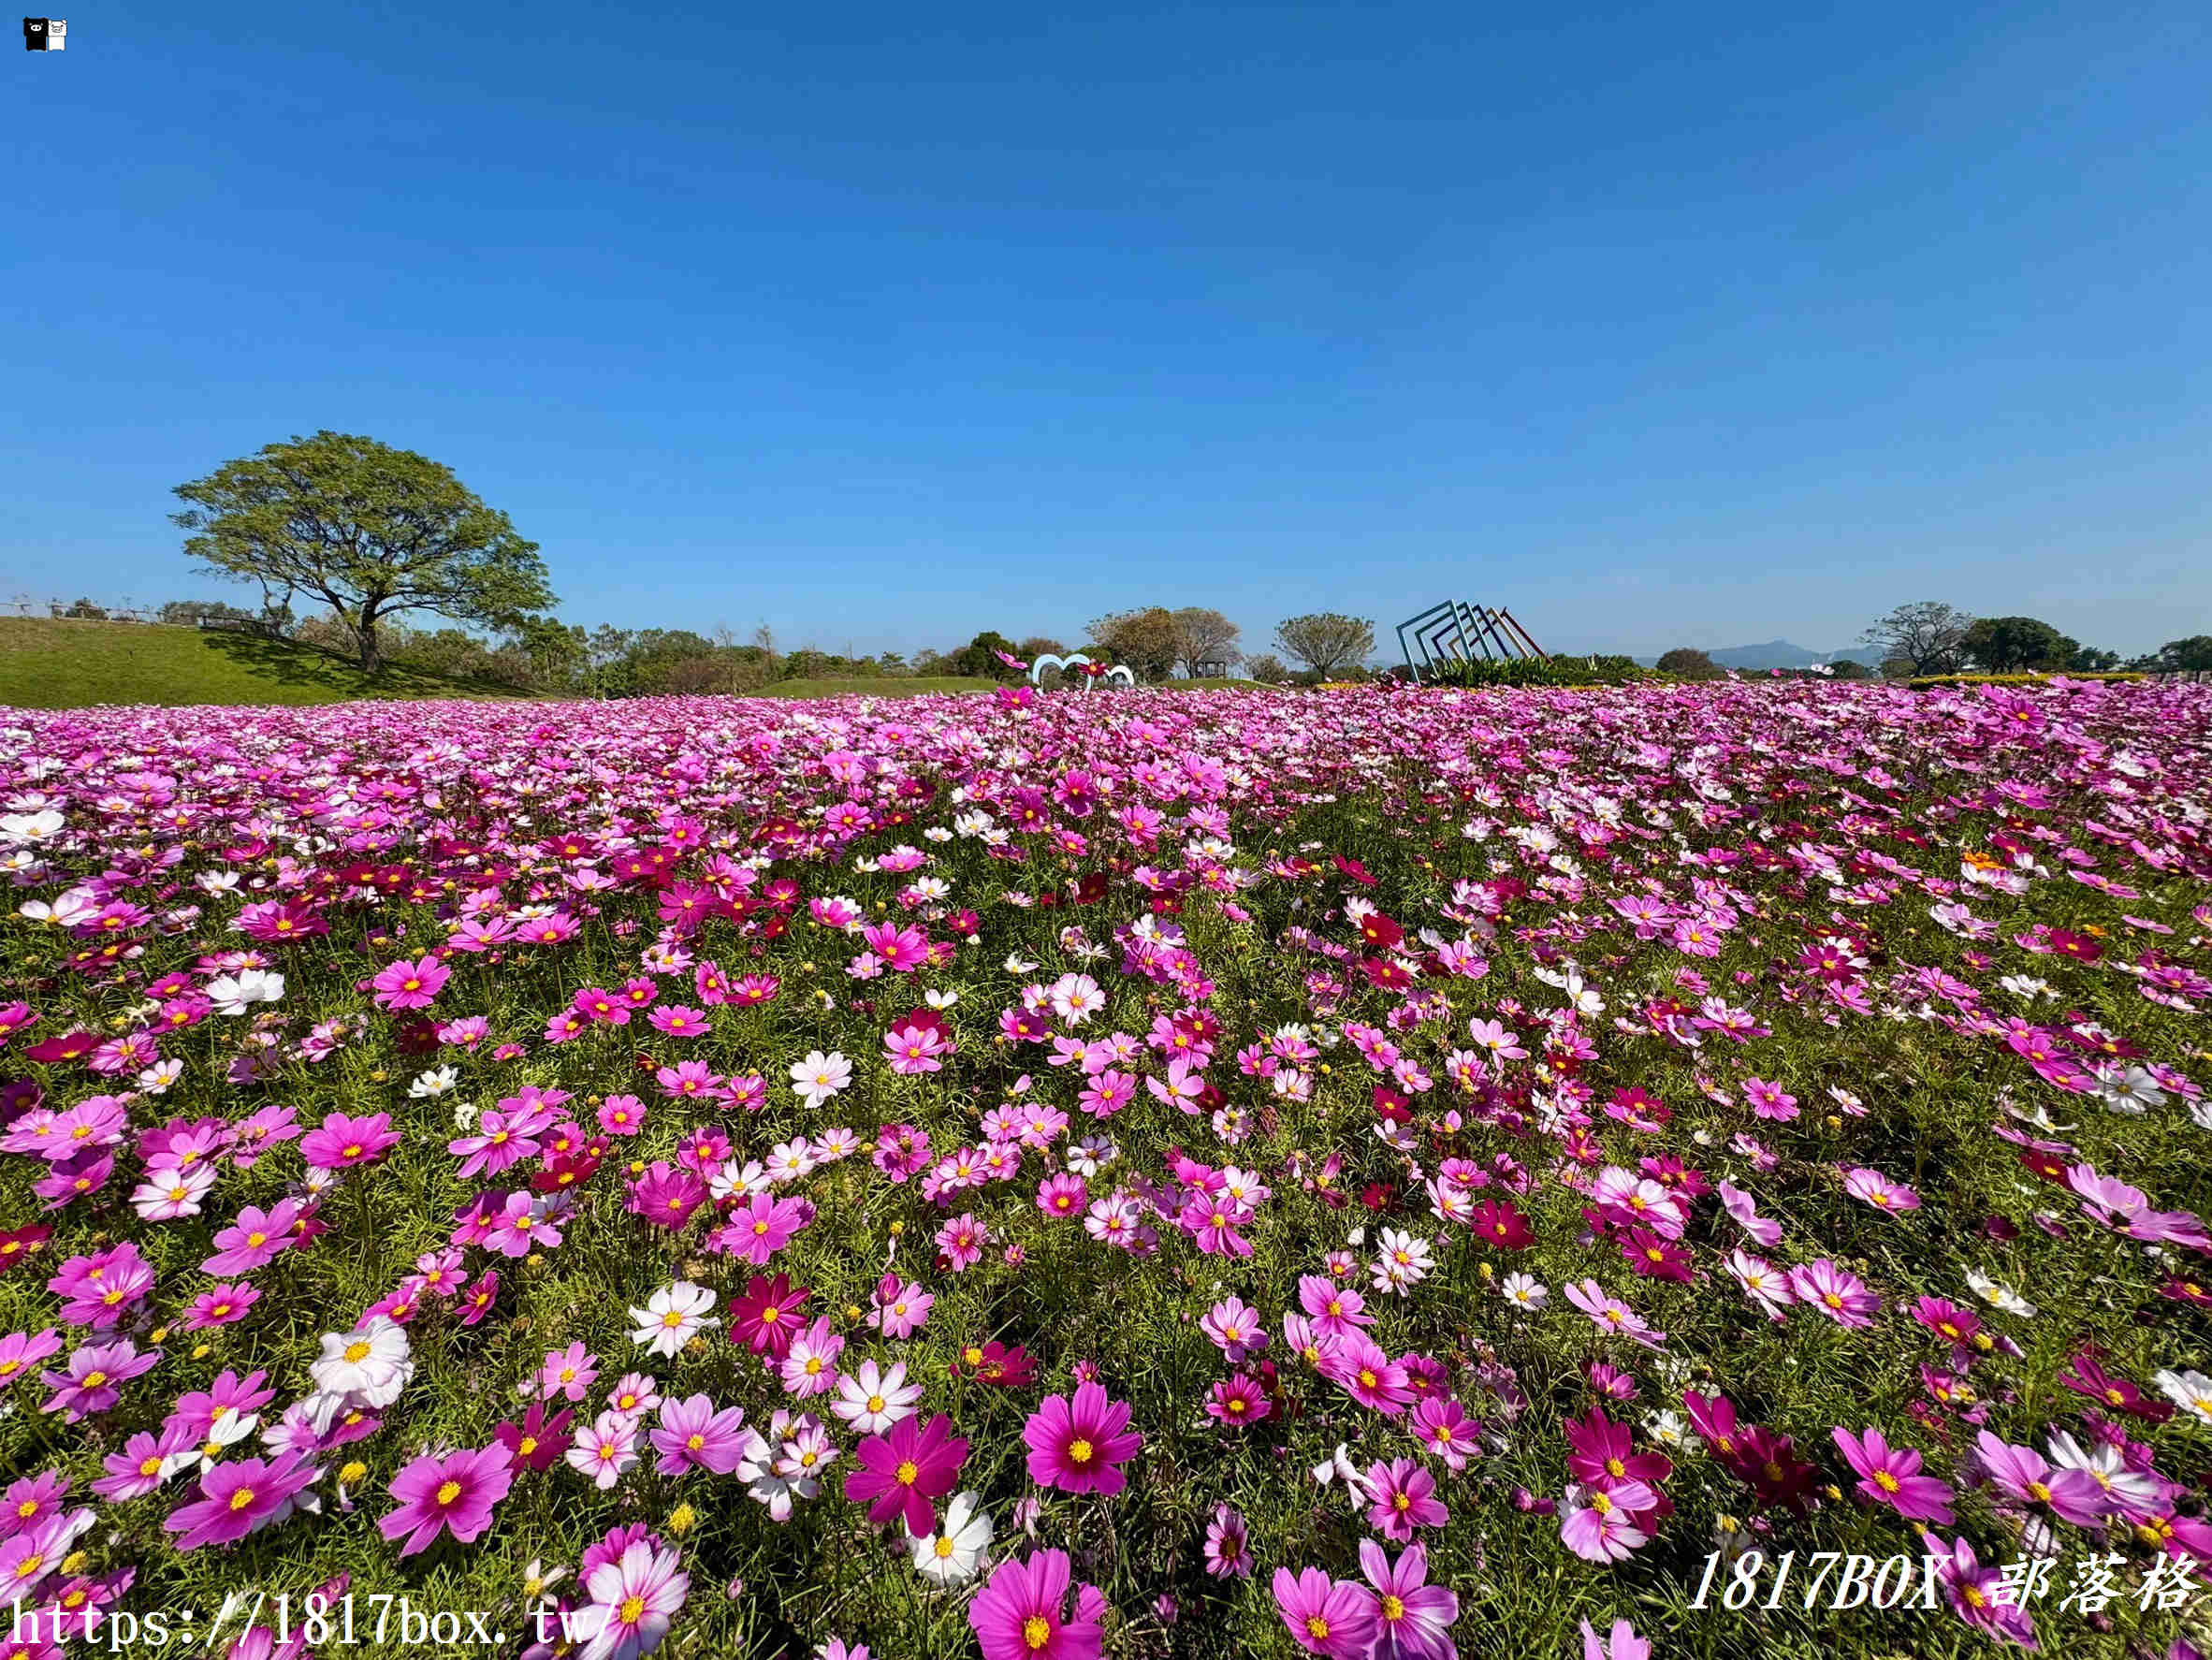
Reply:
x=372, y=660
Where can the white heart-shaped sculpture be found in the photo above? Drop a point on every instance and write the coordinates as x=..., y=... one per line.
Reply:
x=1067, y=666
x=1050, y=662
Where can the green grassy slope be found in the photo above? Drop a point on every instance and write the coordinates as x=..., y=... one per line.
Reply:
x=66, y=665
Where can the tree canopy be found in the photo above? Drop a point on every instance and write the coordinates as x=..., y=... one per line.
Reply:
x=369, y=530
x=1326, y=641
x=1925, y=638
x=2005, y=645
x=1689, y=663
x=1147, y=639
x=1207, y=637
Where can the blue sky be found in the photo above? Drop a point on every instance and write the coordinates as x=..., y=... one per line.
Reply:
x=1663, y=324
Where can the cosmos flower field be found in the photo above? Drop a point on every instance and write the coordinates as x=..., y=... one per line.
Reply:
x=1364, y=1173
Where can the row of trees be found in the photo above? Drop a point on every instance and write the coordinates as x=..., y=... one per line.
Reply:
x=1930, y=637
x=377, y=533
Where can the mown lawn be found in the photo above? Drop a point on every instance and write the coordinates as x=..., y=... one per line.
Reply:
x=66, y=664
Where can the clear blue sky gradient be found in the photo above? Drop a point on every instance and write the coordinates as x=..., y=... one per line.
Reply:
x=1663, y=324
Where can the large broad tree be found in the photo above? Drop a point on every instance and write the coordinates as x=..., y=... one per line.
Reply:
x=1207, y=637
x=1687, y=662
x=1325, y=641
x=2003, y=645
x=369, y=530
x=1147, y=639
x=1925, y=638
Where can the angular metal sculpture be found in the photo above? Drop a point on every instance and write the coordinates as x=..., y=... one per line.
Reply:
x=1453, y=630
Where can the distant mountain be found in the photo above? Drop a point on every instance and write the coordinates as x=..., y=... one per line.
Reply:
x=1774, y=654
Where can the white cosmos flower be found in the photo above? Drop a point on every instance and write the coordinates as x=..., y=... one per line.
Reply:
x=1999, y=1296
x=432, y=1083
x=234, y=993
x=1524, y=1290
x=672, y=1317
x=2189, y=1391
x=951, y=1556
x=820, y=1076
x=374, y=1363
x=166, y=1195
x=872, y=1399
x=1338, y=1467
x=156, y=1079
x=21, y=829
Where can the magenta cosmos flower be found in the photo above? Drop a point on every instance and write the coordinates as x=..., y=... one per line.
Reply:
x=1412, y=1617
x=455, y=1493
x=239, y=1497
x=1325, y=1616
x=1021, y=1614
x=902, y=1471
x=1078, y=1445
x=1891, y=1475
x=345, y=1142
x=410, y=986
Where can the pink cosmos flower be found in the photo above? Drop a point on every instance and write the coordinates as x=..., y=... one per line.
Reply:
x=1738, y=1203
x=692, y=1434
x=569, y=1373
x=451, y=1495
x=145, y=1462
x=1839, y=1294
x=255, y=1239
x=1238, y=1401
x=1228, y=1547
x=93, y=1382
x=1079, y=1445
x=1401, y=1497
x=1600, y=1526
x=1235, y=1330
x=1443, y=1428
x=1870, y=1186
x=411, y=986
x=1977, y=1593
x=101, y=1288
x=1335, y=1618
x=761, y=1226
x=1022, y=1612
x=605, y=1449
x=901, y=1307
x=914, y=1049
x=345, y=1142
x=1621, y=1643
x=1891, y=1475
x=21, y=1352
x=1412, y=1618
x=1770, y=1100
x=1364, y=1371
x=635, y=1598
x=1607, y=1312
x=2024, y=1473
